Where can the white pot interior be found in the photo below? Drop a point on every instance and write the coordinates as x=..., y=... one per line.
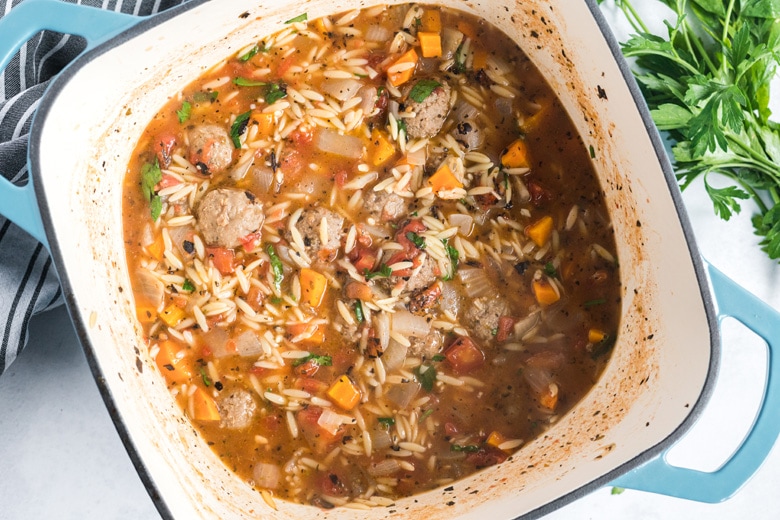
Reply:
x=660, y=363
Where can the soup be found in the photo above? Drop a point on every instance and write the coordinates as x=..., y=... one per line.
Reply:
x=370, y=255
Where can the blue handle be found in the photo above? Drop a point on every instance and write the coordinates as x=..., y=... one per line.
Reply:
x=658, y=476
x=18, y=203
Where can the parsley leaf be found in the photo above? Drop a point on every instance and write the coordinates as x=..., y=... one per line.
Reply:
x=323, y=361
x=275, y=92
x=422, y=89
x=387, y=422
x=251, y=53
x=706, y=82
x=277, y=268
x=184, y=112
x=300, y=18
x=426, y=376
x=150, y=176
x=246, y=82
x=454, y=256
x=417, y=240
x=239, y=127
x=359, y=312
x=468, y=448
x=384, y=271
x=187, y=286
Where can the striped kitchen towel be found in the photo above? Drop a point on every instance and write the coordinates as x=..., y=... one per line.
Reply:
x=28, y=281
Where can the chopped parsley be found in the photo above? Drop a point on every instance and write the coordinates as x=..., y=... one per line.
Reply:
x=425, y=415
x=239, y=127
x=417, y=240
x=246, y=82
x=359, y=311
x=426, y=376
x=387, y=422
x=203, y=97
x=438, y=357
x=251, y=53
x=187, y=286
x=384, y=271
x=276, y=91
x=205, y=376
x=591, y=303
x=184, y=112
x=323, y=361
x=549, y=270
x=300, y=18
x=150, y=176
x=276, y=266
x=402, y=126
x=422, y=89
x=459, y=66
x=454, y=256
x=468, y=448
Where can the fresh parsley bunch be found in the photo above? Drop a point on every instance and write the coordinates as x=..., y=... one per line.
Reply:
x=707, y=85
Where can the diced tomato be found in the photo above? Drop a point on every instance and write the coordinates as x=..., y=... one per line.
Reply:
x=340, y=178
x=291, y=164
x=331, y=484
x=251, y=241
x=206, y=352
x=464, y=355
x=358, y=291
x=164, y=144
x=308, y=384
x=271, y=423
x=222, y=258
x=425, y=298
x=486, y=456
x=363, y=258
x=255, y=297
x=167, y=181
x=505, y=326
x=548, y=359
x=307, y=369
x=285, y=65
x=450, y=429
x=539, y=194
x=410, y=251
x=302, y=138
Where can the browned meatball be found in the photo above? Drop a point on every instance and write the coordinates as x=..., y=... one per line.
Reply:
x=225, y=216
x=385, y=206
x=309, y=227
x=210, y=150
x=483, y=314
x=430, y=113
x=236, y=410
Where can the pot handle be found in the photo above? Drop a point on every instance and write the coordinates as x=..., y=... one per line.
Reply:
x=18, y=203
x=658, y=476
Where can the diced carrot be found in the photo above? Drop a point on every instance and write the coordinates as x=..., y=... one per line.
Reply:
x=319, y=23
x=380, y=149
x=156, y=248
x=222, y=258
x=530, y=123
x=431, y=20
x=430, y=44
x=359, y=291
x=495, y=439
x=464, y=355
x=515, y=155
x=313, y=286
x=317, y=337
x=596, y=335
x=203, y=406
x=544, y=292
x=467, y=29
x=265, y=122
x=173, y=366
x=146, y=313
x=549, y=399
x=402, y=76
x=444, y=179
x=344, y=393
x=172, y=315
x=480, y=59
x=540, y=230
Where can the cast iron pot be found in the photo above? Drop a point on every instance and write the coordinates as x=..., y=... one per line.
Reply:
x=666, y=356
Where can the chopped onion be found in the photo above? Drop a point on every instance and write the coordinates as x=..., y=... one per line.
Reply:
x=369, y=96
x=180, y=234
x=266, y=475
x=539, y=379
x=151, y=288
x=238, y=171
x=407, y=324
x=248, y=345
x=450, y=40
x=380, y=438
x=147, y=236
x=382, y=323
x=526, y=325
x=475, y=282
x=403, y=393
x=264, y=177
x=341, y=88
x=331, y=421
x=331, y=141
x=464, y=223
x=394, y=355
x=216, y=339
x=450, y=299
x=378, y=33
x=384, y=468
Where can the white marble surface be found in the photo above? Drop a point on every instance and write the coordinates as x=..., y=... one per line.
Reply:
x=60, y=456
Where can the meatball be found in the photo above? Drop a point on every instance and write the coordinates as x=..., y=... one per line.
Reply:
x=483, y=314
x=309, y=226
x=430, y=113
x=424, y=276
x=385, y=206
x=427, y=346
x=210, y=150
x=226, y=215
x=236, y=410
